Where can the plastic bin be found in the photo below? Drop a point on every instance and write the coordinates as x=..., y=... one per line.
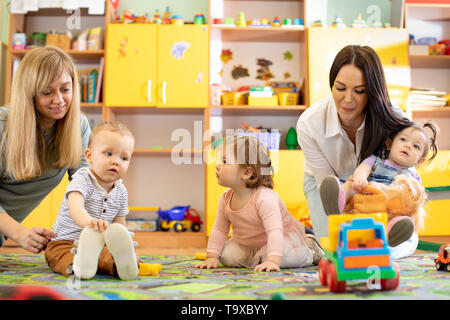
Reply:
x=288, y=99
x=270, y=139
x=234, y=98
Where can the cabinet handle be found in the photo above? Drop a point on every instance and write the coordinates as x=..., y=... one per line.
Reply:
x=149, y=91
x=164, y=91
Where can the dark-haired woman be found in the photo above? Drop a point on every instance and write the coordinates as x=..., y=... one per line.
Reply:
x=338, y=132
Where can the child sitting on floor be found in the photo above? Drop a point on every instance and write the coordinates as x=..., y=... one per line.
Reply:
x=265, y=236
x=395, y=177
x=93, y=213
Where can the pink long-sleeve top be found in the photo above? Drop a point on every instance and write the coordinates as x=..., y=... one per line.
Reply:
x=262, y=221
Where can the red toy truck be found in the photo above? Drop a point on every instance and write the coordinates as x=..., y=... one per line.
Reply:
x=442, y=261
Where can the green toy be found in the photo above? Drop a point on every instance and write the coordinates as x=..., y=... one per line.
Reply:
x=291, y=139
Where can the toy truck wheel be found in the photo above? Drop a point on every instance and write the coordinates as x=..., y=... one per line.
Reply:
x=195, y=227
x=439, y=266
x=323, y=266
x=178, y=227
x=391, y=284
x=448, y=267
x=332, y=280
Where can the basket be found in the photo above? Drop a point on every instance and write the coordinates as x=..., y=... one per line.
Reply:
x=288, y=98
x=61, y=41
x=270, y=139
x=234, y=98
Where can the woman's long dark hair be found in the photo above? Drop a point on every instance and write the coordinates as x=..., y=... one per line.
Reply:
x=381, y=119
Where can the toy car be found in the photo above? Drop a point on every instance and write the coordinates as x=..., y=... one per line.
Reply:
x=180, y=218
x=442, y=261
x=355, y=243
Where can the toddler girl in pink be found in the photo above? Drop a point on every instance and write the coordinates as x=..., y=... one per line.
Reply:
x=265, y=236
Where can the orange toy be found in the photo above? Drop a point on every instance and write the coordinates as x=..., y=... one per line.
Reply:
x=404, y=197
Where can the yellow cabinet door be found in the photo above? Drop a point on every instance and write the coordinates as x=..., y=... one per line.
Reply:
x=130, y=73
x=183, y=67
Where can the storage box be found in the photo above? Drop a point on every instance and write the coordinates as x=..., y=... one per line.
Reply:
x=62, y=41
x=234, y=98
x=270, y=139
x=263, y=101
x=288, y=99
x=142, y=219
x=418, y=50
x=142, y=225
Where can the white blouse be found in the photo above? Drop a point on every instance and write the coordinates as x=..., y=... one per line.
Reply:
x=325, y=145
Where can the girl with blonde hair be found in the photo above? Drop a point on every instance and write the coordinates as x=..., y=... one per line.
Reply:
x=42, y=136
x=265, y=236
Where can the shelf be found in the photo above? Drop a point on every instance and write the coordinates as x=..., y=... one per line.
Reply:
x=428, y=11
x=431, y=112
x=156, y=110
x=76, y=54
x=91, y=105
x=429, y=61
x=259, y=34
x=257, y=110
x=168, y=152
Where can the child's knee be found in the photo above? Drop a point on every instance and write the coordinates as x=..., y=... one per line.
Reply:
x=230, y=254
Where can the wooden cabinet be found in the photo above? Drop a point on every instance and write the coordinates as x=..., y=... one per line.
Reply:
x=157, y=65
x=427, y=71
x=130, y=73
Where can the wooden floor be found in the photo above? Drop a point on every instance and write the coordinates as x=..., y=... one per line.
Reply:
x=148, y=250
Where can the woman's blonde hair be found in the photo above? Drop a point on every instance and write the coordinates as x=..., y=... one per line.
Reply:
x=23, y=146
x=250, y=152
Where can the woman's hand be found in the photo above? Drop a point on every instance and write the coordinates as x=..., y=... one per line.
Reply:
x=267, y=266
x=35, y=239
x=209, y=263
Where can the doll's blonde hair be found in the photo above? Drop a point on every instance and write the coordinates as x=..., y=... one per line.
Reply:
x=413, y=196
x=23, y=148
x=250, y=152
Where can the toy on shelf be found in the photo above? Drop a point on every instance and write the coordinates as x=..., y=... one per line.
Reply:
x=357, y=243
x=199, y=18
x=359, y=22
x=298, y=22
x=276, y=22
x=166, y=18
x=291, y=139
x=156, y=18
x=287, y=22
x=442, y=261
x=180, y=218
x=128, y=17
x=317, y=24
x=241, y=20
x=377, y=24
x=338, y=23
x=177, y=20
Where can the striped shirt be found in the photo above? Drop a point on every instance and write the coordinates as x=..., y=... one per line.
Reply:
x=98, y=203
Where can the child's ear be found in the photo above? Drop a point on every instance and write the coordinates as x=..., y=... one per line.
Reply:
x=247, y=173
x=420, y=161
x=88, y=155
x=388, y=143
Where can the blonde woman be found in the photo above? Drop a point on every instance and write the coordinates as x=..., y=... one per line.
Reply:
x=42, y=136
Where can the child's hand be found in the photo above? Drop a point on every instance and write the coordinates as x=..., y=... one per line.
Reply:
x=209, y=263
x=267, y=266
x=359, y=184
x=98, y=224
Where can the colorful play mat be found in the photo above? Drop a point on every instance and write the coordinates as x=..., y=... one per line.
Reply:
x=179, y=280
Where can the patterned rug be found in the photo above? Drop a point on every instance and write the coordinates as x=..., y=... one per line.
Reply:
x=179, y=280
